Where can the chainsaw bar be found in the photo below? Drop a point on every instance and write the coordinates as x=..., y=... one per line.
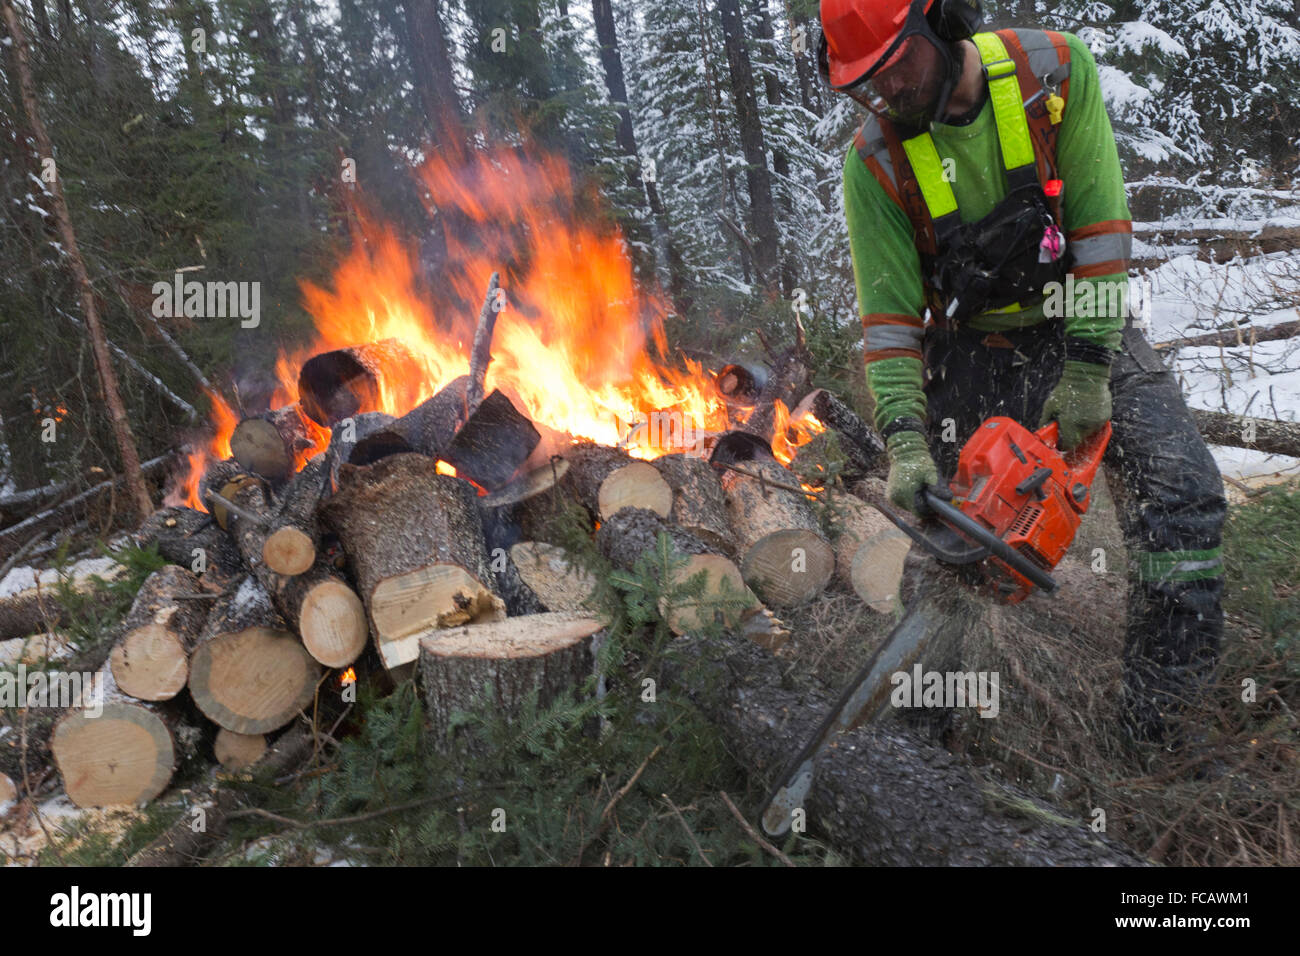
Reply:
x=864, y=699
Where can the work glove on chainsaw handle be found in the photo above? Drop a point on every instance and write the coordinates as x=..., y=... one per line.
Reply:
x=911, y=468
x=1080, y=402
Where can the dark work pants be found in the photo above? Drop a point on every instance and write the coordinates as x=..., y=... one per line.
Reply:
x=1164, y=481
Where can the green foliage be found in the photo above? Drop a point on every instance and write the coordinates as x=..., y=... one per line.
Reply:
x=92, y=841
x=1261, y=554
x=94, y=612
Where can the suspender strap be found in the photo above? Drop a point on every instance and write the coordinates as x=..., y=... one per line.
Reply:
x=1004, y=92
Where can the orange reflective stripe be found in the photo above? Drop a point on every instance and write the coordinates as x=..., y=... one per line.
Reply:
x=1100, y=269
x=1102, y=228
x=892, y=318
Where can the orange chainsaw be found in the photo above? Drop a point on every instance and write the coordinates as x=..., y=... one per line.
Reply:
x=1012, y=509
x=1016, y=503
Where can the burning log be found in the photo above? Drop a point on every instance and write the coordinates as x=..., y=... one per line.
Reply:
x=336, y=385
x=787, y=383
x=492, y=444
x=545, y=654
x=237, y=751
x=428, y=428
x=632, y=532
x=269, y=445
x=553, y=575
x=319, y=604
x=293, y=535
x=737, y=385
x=863, y=446
x=152, y=659
x=414, y=541
x=364, y=439
x=869, y=552
x=605, y=479
x=783, y=555
x=248, y=672
x=122, y=756
x=698, y=504
x=220, y=481
x=193, y=540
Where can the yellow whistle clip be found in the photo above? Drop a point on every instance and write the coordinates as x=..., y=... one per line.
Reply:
x=1055, y=108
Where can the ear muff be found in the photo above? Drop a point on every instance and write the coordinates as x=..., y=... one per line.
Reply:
x=955, y=20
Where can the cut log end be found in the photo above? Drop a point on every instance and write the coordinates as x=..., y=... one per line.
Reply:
x=237, y=751
x=289, y=550
x=725, y=596
x=150, y=663
x=444, y=594
x=637, y=485
x=122, y=757
x=789, y=566
x=332, y=621
x=877, y=569
x=252, y=681
x=552, y=574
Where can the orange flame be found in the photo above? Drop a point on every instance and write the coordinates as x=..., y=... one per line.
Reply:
x=578, y=346
x=791, y=435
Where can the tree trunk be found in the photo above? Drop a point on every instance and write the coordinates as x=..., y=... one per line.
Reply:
x=883, y=796
x=546, y=654
x=249, y=673
x=431, y=69
x=1229, y=338
x=124, y=755
x=152, y=659
x=762, y=215
x=414, y=541
x=698, y=505
x=1259, y=434
x=125, y=441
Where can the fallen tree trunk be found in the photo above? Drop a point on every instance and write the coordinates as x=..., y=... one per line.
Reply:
x=248, y=672
x=151, y=661
x=546, y=654
x=1230, y=338
x=883, y=796
x=414, y=541
x=114, y=750
x=1259, y=434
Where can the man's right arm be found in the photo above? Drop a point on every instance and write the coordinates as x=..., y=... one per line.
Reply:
x=887, y=272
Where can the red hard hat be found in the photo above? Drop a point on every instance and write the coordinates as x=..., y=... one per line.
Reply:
x=859, y=32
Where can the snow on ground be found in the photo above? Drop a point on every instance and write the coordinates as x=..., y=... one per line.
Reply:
x=23, y=579
x=1191, y=297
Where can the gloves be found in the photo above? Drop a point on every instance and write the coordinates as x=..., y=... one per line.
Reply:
x=910, y=468
x=1080, y=403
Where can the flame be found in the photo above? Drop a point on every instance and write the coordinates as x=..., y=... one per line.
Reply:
x=790, y=435
x=183, y=489
x=578, y=345
x=349, y=676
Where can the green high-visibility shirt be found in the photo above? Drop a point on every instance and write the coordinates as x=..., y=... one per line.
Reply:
x=1094, y=210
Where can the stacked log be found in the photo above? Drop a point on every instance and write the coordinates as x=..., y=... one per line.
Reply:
x=270, y=444
x=151, y=661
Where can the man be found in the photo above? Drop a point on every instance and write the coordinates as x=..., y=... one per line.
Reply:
x=990, y=236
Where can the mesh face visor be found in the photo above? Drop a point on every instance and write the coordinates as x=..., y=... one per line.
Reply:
x=912, y=84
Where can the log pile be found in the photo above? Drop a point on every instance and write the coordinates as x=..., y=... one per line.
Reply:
x=421, y=545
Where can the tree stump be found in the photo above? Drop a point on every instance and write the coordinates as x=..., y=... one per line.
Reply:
x=549, y=654
x=414, y=542
x=152, y=659
x=248, y=672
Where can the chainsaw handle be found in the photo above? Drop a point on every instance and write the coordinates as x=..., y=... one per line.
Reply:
x=1085, y=458
x=958, y=519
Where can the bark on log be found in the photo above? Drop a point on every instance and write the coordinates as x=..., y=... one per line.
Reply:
x=480, y=354
x=193, y=540
x=1259, y=434
x=883, y=796
x=336, y=385
x=270, y=445
x=151, y=661
x=293, y=534
x=605, y=479
x=36, y=608
x=869, y=552
x=430, y=426
x=116, y=750
x=364, y=439
x=318, y=603
x=861, y=443
x=218, y=477
x=237, y=751
x=698, y=504
x=492, y=444
x=783, y=555
x=248, y=672
x=549, y=654
x=414, y=541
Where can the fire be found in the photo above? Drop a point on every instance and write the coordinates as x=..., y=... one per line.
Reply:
x=184, y=488
x=579, y=345
x=789, y=436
